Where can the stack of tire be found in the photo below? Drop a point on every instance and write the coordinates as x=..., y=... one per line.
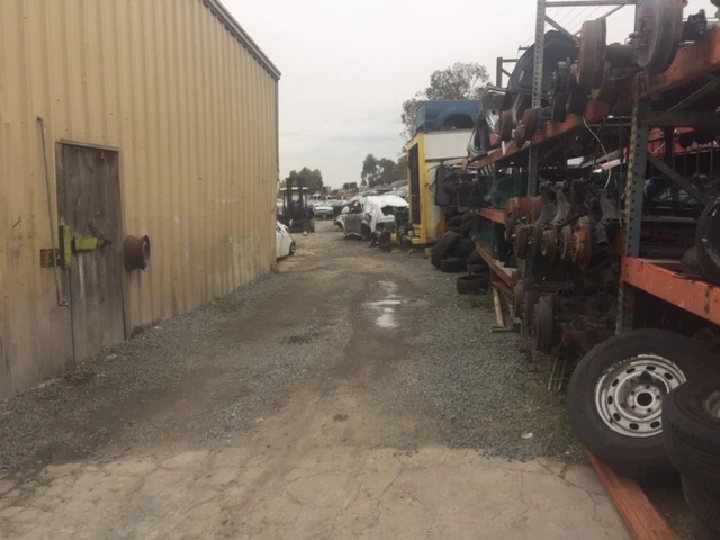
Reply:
x=616, y=394
x=645, y=399
x=691, y=421
x=451, y=252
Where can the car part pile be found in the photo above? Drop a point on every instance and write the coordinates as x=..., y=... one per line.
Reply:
x=618, y=228
x=575, y=72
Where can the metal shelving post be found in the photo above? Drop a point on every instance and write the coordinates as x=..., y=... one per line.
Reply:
x=632, y=204
x=537, y=90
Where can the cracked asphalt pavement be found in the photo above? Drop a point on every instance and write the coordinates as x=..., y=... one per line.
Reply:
x=333, y=399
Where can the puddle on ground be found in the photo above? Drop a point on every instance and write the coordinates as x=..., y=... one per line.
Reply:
x=385, y=309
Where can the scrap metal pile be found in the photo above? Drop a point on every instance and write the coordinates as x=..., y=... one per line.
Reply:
x=576, y=71
x=569, y=236
x=614, y=170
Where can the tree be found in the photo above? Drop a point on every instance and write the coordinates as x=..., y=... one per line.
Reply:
x=385, y=171
x=410, y=107
x=311, y=180
x=382, y=172
x=400, y=169
x=369, y=174
x=459, y=81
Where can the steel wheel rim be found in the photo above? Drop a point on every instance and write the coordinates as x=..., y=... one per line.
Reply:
x=711, y=404
x=629, y=395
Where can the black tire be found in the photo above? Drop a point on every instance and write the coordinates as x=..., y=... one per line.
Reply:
x=464, y=248
x=472, y=284
x=542, y=327
x=476, y=258
x=692, y=432
x=705, y=505
x=690, y=264
x=468, y=222
x=635, y=456
x=443, y=248
x=454, y=221
x=707, y=242
x=453, y=266
x=478, y=269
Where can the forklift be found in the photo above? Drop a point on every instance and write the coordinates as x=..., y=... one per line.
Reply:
x=294, y=210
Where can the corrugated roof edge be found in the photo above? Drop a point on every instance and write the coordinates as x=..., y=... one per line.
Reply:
x=225, y=17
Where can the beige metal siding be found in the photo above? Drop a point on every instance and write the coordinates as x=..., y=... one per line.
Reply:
x=194, y=116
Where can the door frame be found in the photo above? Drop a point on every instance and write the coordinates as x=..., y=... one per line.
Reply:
x=59, y=183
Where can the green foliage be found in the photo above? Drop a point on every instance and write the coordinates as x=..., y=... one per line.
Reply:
x=459, y=81
x=410, y=107
x=400, y=170
x=311, y=180
x=381, y=172
x=368, y=175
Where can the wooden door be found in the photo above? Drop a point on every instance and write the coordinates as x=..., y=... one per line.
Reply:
x=89, y=202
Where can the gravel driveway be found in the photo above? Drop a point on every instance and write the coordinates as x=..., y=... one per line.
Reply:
x=353, y=394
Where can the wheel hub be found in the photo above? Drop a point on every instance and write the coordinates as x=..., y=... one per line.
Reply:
x=628, y=397
x=712, y=404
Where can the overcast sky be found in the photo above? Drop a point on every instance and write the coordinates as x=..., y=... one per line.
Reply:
x=347, y=67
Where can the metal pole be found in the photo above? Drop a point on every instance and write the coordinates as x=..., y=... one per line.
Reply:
x=632, y=209
x=53, y=239
x=537, y=89
x=499, y=72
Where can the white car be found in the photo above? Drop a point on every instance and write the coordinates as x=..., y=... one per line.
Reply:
x=365, y=217
x=322, y=210
x=285, y=243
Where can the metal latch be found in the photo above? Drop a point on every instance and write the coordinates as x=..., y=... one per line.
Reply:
x=70, y=244
x=87, y=243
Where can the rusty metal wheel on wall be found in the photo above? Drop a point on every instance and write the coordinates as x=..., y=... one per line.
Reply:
x=591, y=56
x=581, y=247
x=507, y=123
x=659, y=31
x=549, y=244
x=520, y=241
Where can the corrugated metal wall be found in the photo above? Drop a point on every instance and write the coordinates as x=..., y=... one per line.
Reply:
x=194, y=116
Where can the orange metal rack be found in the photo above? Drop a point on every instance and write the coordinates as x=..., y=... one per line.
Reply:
x=694, y=62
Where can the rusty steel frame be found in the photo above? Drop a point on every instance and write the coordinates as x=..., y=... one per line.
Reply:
x=638, y=513
x=509, y=278
x=695, y=62
x=697, y=297
x=493, y=214
x=691, y=63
